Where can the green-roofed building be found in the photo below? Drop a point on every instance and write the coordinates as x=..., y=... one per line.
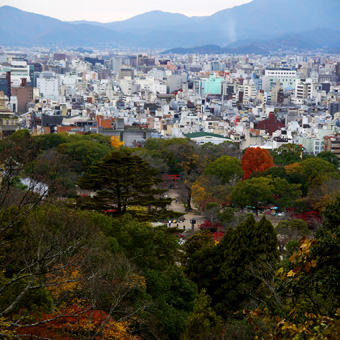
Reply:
x=206, y=137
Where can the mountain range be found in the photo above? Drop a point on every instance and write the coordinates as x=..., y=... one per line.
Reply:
x=259, y=25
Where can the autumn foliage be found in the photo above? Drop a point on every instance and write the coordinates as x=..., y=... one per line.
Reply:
x=256, y=160
x=78, y=323
x=115, y=142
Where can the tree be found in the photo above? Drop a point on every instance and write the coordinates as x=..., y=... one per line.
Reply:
x=202, y=261
x=54, y=259
x=122, y=182
x=317, y=169
x=147, y=247
x=285, y=194
x=308, y=286
x=329, y=157
x=253, y=192
x=256, y=160
x=227, y=168
x=287, y=154
x=154, y=252
x=50, y=141
x=291, y=230
x=207, y=189
x=115, y=142
x=16, y=152
x=173, y=298
x=203, y=323
x=83, y=153
x=249, y=255
x=274, y=172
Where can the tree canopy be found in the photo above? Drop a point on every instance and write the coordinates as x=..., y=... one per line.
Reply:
x=121, y=182
x=256, y=160
x=226, y=168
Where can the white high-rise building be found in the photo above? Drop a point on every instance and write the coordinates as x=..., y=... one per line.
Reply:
x=48, y=84
x=286, y=77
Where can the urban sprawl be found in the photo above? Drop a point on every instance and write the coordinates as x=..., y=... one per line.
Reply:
x=251, y=100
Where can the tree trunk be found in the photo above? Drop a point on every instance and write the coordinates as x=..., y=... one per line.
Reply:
x=189, y=207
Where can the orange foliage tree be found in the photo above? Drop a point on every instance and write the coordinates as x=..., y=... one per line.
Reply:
x=78, y=323
x=256, y=160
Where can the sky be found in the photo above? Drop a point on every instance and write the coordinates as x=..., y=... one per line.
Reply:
x=114, y=10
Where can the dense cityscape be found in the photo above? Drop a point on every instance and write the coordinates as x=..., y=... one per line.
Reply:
x=252, y=100
x=176, y=193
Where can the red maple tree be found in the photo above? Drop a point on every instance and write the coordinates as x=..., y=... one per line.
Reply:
x=256, y=160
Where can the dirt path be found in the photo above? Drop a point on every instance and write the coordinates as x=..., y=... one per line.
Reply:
x=176, y=205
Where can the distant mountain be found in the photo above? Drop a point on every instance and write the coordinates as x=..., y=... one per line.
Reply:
x=263, y=19
x=257, y=24
x=215, y=49
x=153, y=20
x=310, y=40
x=28, y=29
x=256, y=20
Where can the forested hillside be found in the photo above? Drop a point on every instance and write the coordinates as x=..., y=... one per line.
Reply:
x=81, y=256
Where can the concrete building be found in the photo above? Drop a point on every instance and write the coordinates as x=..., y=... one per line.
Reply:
x=9, y=122
x=20, y=70
x=5, y=83
x=287, y=79
x=212, y=85
x=332, y=144
x=126, y=72
x=24, y=94
x=48, y=84
x=333, y=108
x=303, y=90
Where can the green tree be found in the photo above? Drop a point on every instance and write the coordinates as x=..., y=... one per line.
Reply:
x=202, y=261
x=274, y=172
x=250, y=252
x=83, y=153
x=317, y=170
x=285, y=193
x=329, y=157
x=203, y=323
x=50, y=141
x=287, y=154
x=124, y=182
x=253, y=192
x=173, y=298
x=146, y=246
x=154, y=251
x=226, y=168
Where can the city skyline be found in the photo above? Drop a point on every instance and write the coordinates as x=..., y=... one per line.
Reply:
x=107, y=11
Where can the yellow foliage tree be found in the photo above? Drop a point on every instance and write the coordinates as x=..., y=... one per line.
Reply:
x=115, y=142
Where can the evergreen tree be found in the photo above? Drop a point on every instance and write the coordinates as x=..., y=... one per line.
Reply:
x=203, y=323
x=249, y=253
x=122, y=180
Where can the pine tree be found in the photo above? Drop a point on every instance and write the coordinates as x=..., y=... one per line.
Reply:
x=123, y=182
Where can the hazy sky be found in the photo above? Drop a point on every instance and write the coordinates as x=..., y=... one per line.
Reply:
x=112, y=10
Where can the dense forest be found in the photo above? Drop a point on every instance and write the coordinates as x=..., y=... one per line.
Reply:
x=82, y=257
